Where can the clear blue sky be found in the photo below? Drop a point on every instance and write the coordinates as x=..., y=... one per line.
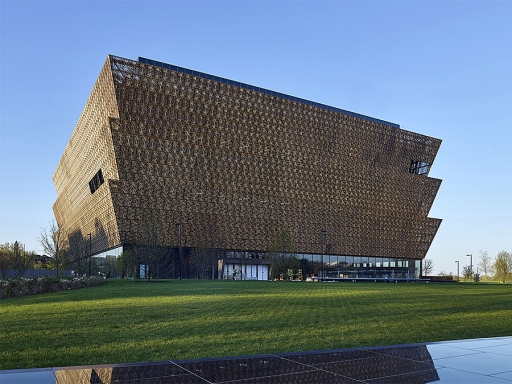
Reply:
x=440, y=68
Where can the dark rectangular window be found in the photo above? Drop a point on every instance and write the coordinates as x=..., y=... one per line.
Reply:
x=419, y=167
x=96, y=181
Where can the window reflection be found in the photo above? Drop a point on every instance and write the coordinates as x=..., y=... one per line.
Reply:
x=357, y=267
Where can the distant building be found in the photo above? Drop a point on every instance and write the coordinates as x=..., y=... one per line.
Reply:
x=158, y=145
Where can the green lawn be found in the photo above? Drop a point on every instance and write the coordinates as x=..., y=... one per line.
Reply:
x=135, y=321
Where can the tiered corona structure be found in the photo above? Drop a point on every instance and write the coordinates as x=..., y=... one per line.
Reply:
x=240, y=163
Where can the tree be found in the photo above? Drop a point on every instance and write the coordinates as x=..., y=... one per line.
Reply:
x=467, y=273
x=4, y=260
x=428, y=267
x=485, y=262
x=203, y=260
x=148, y=247
x=126, y=264
x=282, y=255
x=20, y=260
x=41, y=262
x=78, y=252
x=51, y=240
x=503, y=266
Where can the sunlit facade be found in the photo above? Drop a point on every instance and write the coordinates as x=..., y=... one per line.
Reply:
x=158, y=145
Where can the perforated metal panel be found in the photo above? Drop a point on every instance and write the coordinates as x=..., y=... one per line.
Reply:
x=245, y=162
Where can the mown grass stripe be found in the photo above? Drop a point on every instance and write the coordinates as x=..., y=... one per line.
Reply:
x=132, y=321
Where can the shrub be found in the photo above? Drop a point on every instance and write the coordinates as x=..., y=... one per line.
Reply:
x=21, y=287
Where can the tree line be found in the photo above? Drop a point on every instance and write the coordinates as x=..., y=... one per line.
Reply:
x=498, y=268
x=146, y=255
x=56, y=256
x=14, y=257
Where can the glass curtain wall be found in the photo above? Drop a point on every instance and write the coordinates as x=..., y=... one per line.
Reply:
x=358, y=267
x=104, y=264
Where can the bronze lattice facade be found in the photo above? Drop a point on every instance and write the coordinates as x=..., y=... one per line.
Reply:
x=243, y=162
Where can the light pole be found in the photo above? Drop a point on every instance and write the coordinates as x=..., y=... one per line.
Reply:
x=90, y=251
x=457, y=261
x=470, y=264
x=241, y=242
x=323, y=231
x=180, y=225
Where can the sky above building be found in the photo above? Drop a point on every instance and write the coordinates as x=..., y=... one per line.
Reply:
x=439, y=68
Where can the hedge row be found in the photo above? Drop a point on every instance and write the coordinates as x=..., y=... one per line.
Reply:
x=22, y=287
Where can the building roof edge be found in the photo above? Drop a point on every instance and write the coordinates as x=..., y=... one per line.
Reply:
x=263, y=90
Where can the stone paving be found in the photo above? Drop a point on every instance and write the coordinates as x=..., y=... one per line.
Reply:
x=485, y=361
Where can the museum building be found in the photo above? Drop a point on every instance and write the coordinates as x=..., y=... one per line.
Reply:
x=212, y=170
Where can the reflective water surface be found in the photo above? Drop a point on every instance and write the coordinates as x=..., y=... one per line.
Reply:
x=484, y=361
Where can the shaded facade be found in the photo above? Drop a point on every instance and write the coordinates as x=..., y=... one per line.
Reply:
x=162, y=144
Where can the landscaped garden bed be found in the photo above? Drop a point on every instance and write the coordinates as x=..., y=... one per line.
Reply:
x=21, y=286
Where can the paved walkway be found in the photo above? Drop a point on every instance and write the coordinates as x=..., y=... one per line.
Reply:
x=485, y=361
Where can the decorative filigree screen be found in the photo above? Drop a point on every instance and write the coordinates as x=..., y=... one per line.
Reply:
x=232, y=161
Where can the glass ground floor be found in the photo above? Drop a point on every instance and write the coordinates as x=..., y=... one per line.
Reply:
x=330, y=267
x=343, y=267
x=358, y=267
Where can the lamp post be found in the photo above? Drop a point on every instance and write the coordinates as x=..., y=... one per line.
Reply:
x=241, y=242
x=179, y=224
x=470, y=264
x=323, y=231
x=457, y=261
x=90, y=251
